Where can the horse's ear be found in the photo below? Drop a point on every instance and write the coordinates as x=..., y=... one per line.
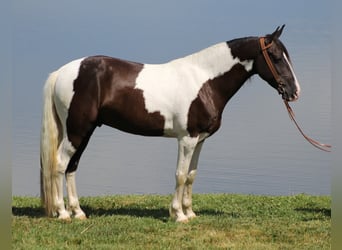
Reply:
x=276, y=34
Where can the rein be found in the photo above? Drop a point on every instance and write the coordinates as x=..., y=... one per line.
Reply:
x=264, y=47
x=321, y=146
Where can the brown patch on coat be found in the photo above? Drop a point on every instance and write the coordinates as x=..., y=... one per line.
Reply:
x=104, y=93
x=205, y=111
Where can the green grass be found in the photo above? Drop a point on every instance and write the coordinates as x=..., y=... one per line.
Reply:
x=224, y=221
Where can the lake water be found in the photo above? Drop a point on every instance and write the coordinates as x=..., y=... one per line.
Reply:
x=257, y=150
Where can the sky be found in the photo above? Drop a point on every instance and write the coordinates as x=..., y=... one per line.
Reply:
x=48, y=34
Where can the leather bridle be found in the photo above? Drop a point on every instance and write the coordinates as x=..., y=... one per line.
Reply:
x=264, y=47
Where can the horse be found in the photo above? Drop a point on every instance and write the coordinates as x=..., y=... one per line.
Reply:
x=183, y=99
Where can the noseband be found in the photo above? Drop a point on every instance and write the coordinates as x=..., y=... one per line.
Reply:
x=264, y=47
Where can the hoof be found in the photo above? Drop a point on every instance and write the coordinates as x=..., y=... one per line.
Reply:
x=64, y=215
x=178, y=216
x=182, y=219
x=191, y=215
x=64, y=218
x=80, y=217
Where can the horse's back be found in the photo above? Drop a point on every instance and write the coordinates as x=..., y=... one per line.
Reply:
x=146, y=99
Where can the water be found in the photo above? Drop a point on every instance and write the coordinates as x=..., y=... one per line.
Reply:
x=256, y=151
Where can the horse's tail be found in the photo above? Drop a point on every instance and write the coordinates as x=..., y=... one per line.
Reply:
x=48, y=146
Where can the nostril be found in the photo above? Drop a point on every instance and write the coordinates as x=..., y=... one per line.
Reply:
x=298, y=93
x=295, y=96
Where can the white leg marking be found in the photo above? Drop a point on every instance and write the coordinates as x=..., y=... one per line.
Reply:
x=186, y=146
x=59, y=202
x=187, y=194
x=64, y=154
x=74, y=205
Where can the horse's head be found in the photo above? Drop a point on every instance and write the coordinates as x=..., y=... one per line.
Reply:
x=273, y=64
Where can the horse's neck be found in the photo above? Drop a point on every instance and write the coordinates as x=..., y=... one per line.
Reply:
x=223, y=56
x=214, y=59
x=210, y=62
x=225, y=86
x=225, y=71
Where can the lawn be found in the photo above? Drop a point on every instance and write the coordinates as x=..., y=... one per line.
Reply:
x=225, y=221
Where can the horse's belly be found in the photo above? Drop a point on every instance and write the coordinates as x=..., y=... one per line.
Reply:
x=150, y=125
x=126, y=111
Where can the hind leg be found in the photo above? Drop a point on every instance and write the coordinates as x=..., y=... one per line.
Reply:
x=64, y=154
x=74, y=205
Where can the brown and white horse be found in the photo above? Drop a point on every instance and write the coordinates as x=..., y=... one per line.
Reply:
x=183, y=98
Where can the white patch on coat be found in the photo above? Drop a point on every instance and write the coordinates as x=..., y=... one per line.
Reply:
x=170, y=88
x=64, y=92
x=64, y=88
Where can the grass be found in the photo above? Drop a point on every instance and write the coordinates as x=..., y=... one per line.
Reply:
x=224, y=221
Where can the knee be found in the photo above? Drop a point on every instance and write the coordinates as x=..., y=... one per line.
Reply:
x=191, y=177
x=181, y=177
x=64, y=154
x=61, y=167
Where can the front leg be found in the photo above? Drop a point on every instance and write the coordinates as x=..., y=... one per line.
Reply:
x=187, y=195
x=186, y=146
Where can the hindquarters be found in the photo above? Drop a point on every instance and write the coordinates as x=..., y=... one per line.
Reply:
x=66, y=128
x=120, y=104
x=76, y=101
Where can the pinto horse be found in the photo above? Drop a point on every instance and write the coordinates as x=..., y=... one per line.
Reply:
x=183, y=98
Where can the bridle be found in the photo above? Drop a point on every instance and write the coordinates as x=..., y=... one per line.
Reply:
x=270, y=65
x=264, y=47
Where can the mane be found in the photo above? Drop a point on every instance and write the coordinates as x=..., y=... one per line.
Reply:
x=244, y=48
x=237, y=41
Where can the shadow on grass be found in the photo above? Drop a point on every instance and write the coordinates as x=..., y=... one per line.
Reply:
x=323, y=211
x=34, y=212
x=159, y=214
x=156, y=213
